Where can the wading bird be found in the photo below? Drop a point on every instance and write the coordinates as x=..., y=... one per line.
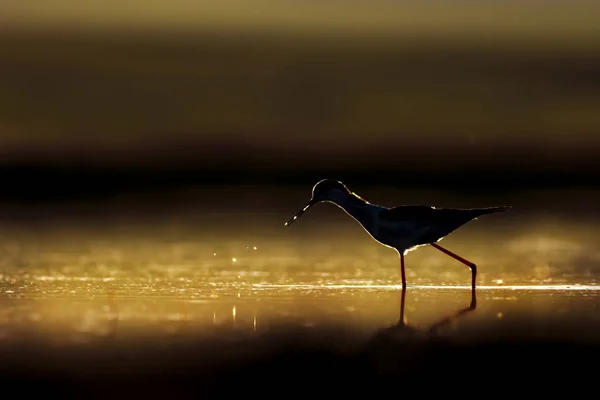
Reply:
x=402, y=228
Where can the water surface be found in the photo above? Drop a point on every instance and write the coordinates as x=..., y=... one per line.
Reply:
x=180, y=295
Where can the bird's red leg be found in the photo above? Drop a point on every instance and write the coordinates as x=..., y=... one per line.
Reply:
x=468, y=263
x=402, y=270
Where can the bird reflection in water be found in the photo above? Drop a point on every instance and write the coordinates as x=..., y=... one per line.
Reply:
x=402, y=347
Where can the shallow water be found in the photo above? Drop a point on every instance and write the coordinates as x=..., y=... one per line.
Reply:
x=182, y=286
x=72, y=311
x=195, y=255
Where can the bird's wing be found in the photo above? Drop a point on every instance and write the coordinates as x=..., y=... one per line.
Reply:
x=420, y=223
x=424, y=223
x=428, y=215
x=419, y=215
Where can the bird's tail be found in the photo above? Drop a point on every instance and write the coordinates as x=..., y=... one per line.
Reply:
x=490, y=210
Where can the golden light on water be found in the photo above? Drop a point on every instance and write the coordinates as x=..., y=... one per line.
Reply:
x=137, y=290
x=363, y=308
x=368, y=286
x=349, y=319
x=153, y=282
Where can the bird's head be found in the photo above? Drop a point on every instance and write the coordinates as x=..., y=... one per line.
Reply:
x=325, y=190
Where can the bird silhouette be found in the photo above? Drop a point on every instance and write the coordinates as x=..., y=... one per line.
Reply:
x=403, y=228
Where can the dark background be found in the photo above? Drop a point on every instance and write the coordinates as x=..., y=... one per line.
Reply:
x=117, y=97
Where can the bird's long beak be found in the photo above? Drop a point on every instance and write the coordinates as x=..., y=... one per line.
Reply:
x=295, y=217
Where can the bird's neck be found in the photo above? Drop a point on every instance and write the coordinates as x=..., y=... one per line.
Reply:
x=354, y=205
x=361, y=211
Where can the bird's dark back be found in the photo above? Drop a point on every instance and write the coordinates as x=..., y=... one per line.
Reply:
x=459, y=216
x=433, y=223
